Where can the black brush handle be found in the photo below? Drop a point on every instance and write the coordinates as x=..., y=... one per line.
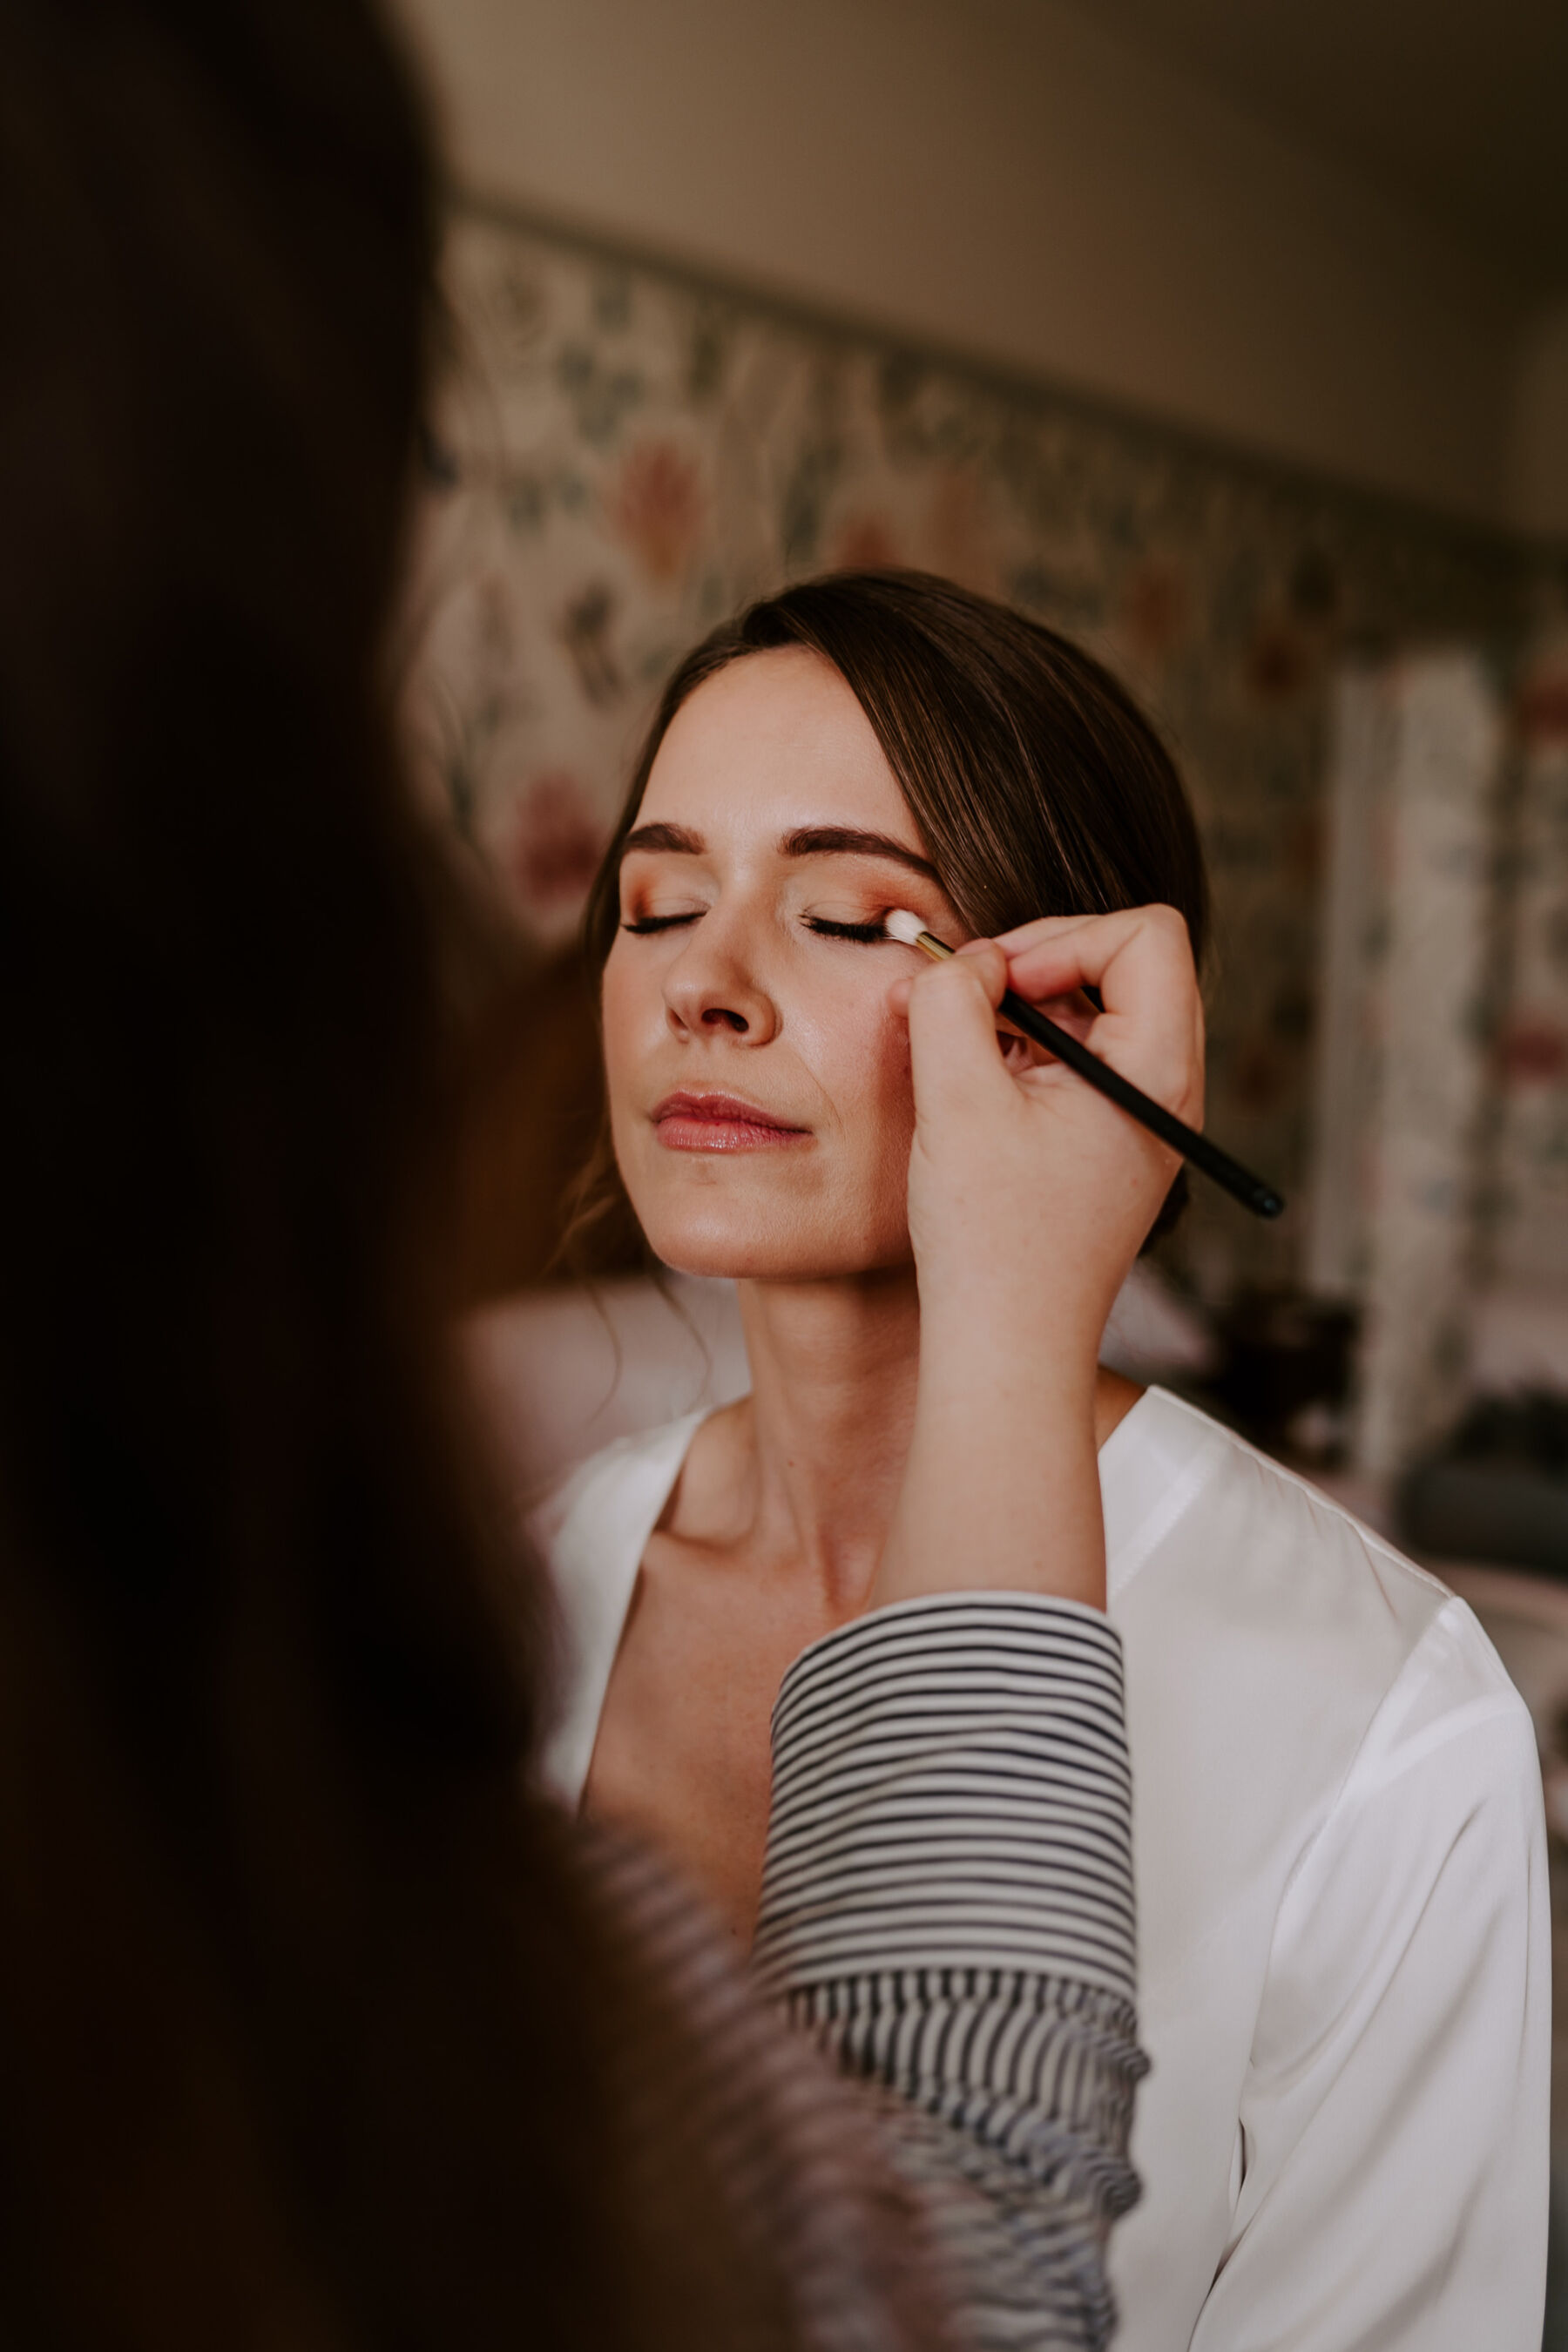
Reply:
x=1238, y=1182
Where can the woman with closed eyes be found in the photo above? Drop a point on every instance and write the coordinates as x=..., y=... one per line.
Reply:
x=1339, y=1852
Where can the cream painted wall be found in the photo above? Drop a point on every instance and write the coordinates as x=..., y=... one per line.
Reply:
x=1007, y=176
x=1540, y=454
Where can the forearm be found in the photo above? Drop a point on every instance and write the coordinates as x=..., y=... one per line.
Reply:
x=1001, y=1487
x=1029, y=1196
x=947, y=1907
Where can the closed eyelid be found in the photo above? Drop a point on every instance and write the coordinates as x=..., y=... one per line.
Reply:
x=862, y=899
x=647, y=925
x=831, y=927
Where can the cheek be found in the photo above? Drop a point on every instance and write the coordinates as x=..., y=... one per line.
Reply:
x=865, y=1073
x=631, y=1020
x=893, y=1123
x=890, y=1088
x=626, y=1006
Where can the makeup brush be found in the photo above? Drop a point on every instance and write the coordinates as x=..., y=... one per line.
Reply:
x=1239, y=1181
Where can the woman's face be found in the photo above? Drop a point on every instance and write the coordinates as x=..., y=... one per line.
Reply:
x=758, y=1082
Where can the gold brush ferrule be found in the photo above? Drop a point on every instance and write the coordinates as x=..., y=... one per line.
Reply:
x=934, y=947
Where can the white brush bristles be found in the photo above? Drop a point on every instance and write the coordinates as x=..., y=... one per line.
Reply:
x=900, y=924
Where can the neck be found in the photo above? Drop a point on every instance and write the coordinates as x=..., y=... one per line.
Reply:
x=835, y=1366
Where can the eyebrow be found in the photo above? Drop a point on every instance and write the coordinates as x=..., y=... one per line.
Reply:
x=807, y=840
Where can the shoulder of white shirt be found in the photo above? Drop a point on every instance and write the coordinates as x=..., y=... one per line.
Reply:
x=1166, y=1462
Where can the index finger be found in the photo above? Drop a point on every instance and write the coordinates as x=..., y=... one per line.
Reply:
x=1140, y=962
x=1057, y=953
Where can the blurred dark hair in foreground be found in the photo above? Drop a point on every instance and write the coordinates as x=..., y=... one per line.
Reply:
x=303, y=2016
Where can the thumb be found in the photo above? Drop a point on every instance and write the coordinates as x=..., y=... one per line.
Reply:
x=955, y=1061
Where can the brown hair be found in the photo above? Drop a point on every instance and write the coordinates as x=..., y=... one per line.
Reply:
x=1038, y=784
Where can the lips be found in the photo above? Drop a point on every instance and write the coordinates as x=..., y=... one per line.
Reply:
x=692, y=1122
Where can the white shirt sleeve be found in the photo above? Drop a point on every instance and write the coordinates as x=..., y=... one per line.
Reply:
x=1394, y=2123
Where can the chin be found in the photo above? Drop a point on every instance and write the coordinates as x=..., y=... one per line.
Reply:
x=748, y=1246
x=733, y=1249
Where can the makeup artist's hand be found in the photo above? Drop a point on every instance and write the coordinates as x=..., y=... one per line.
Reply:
x=1026, y=1186
x=1029, y=1198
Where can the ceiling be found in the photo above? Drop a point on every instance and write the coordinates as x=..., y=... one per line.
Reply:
x=1459, y=108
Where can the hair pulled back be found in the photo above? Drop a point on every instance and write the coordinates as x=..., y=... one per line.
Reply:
x=1037, y=785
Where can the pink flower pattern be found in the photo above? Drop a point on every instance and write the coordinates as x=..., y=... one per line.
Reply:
x=657, y=508
x=558, y=843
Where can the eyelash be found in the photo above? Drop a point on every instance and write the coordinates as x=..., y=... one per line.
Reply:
x=868, y=934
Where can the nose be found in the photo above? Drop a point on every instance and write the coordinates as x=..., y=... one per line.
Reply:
x=714, y=988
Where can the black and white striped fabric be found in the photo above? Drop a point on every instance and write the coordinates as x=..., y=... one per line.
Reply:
x=947, y=1909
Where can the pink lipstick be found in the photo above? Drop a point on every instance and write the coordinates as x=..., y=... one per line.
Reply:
x=693, y=1122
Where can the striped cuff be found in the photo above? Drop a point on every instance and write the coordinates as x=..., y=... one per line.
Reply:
x=952, y=1790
